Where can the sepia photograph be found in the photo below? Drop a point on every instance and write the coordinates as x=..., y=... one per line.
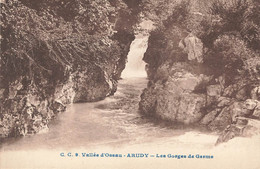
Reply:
x=130, y=84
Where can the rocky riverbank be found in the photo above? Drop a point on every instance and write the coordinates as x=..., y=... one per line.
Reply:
x=58, y=52
x=204, y=70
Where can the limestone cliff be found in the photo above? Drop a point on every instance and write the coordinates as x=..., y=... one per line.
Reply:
x=203, y=66
x=58, y=52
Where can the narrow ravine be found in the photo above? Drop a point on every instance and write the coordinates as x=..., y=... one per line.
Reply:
x=114, y=121
x=114, y=125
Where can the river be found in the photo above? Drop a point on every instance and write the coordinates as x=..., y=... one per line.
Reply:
x=115, y=126
x=114, y=121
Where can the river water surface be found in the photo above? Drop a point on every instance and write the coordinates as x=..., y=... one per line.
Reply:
x=115, y=126
x=114, y=121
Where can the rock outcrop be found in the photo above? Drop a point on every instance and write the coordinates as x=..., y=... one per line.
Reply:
x=58, y=52
x=203, y=72
x=193, y=46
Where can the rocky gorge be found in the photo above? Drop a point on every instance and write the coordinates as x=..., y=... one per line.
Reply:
x=202, y=61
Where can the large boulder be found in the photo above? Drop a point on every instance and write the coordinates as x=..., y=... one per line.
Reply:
x=175, y=100
x=244, y=127
x=193, y=46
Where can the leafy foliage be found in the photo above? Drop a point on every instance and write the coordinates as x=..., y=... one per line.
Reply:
x=237, y=17
x=232, y=35
x=41, y=35
x=229, y=31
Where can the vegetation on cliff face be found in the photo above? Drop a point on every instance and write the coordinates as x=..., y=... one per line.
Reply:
x=58, y=52
x=203, y=65
x=232, y=35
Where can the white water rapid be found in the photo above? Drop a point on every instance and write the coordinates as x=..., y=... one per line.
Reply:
x=135, y=66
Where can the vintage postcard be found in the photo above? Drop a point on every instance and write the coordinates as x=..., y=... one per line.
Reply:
x=128, y=84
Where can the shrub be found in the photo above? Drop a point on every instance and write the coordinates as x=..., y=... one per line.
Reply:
x=237, y=17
